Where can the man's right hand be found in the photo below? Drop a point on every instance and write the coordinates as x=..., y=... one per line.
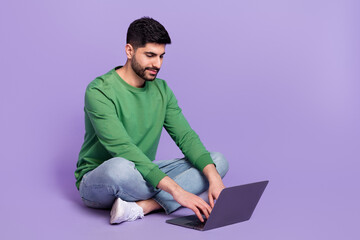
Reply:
x=193, y=202
x=184, y=198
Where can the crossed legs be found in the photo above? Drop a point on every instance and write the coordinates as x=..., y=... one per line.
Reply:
x=118, y=178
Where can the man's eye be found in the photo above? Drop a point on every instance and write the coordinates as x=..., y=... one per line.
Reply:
x=149, y=55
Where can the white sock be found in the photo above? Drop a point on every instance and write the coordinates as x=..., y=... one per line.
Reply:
x=122, y=211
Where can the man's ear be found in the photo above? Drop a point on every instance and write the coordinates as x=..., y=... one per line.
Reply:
x=129, y=50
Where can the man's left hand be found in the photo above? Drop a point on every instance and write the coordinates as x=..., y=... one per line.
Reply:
x=215, y=189
x=215, y=183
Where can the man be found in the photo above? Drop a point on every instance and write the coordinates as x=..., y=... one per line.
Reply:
x=125, y=111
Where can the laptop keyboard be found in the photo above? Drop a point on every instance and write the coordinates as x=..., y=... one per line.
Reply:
x=196, y=223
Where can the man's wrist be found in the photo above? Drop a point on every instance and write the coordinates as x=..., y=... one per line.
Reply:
x=214, y=179
x=211, y=173
x=169, y=185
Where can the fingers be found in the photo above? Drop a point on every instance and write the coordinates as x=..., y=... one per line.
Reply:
x=209, y=209
x=205, y=209
x=211, y=200
x=198, y=214
x=195, y=203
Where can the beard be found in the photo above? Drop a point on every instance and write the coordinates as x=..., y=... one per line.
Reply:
x=141, y=72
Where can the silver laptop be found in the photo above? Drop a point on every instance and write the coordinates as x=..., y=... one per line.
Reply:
x=234, y=204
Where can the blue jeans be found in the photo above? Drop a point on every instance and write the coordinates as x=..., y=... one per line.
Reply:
x=118, y=178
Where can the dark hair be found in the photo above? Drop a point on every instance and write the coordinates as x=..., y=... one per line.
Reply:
x=146, y=30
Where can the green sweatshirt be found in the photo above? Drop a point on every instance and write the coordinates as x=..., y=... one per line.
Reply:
x=125, y=121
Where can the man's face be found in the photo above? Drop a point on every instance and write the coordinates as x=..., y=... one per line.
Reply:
x=147, y=60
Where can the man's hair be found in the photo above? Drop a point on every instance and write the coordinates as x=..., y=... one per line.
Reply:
x=146, y=30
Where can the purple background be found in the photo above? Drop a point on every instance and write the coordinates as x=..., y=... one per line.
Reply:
x=273, y=85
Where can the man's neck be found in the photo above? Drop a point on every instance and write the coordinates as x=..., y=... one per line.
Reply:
x=129, y=76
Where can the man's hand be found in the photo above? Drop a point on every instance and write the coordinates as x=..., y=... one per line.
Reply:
x=215, y=183
x=215, y=189
x=193, y=202
x=184, y=198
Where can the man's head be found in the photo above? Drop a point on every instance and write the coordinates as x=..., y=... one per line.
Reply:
x=145, y=48
x=146, y=30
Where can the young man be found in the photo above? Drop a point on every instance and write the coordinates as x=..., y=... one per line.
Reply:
x=125, y=111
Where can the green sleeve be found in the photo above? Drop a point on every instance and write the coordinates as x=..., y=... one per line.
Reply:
x=114, y=137
x=183, y=135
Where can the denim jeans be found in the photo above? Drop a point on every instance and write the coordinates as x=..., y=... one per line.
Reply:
x=118, y=178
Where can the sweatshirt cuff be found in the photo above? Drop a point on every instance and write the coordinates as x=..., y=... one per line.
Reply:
x=203, y=161
x=155, y=176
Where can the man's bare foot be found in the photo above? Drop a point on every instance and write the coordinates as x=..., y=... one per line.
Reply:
x=148, y=205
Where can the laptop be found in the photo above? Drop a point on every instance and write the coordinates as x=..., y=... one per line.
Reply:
x=234, y=204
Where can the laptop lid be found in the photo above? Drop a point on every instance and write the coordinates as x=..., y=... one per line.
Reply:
x=235, y=204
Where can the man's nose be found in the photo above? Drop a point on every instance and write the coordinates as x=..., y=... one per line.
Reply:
x=157, y=62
